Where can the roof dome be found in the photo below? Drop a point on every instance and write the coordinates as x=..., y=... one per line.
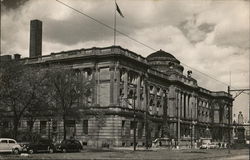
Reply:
x=161, y=53
x=164, y=62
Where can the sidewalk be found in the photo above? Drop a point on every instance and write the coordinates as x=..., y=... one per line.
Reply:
x=151, y=148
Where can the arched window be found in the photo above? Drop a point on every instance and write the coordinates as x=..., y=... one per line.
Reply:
x=151, y=105
x=158, y=91
x=122, y=75
x=151, y=89
x=158, y=106
x=131, y=98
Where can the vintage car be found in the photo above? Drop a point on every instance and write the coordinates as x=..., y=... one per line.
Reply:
x=41, y=145
x=68, y=145
x=161, y=142
x=212, y=145
x=9, y=145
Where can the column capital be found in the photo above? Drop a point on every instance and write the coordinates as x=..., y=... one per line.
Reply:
x=112, y=67
x=177, y=91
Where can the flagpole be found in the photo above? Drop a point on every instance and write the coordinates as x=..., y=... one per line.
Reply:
x=115, y=25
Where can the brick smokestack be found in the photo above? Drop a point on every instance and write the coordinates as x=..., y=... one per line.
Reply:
x=35, y=38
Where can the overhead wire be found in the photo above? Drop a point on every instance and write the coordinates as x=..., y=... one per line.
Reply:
x=145, y=45
x=108, y=26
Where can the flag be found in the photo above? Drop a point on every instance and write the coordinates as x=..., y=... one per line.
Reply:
x=118, y=10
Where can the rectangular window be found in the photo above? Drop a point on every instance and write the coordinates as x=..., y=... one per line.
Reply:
x=54, y=126
x=132, y=125
x=29, y=123
x=43, y=125
x=104, y=95
x=123, y=128
x=71, y=127
x=104, y=74
x=140, y=130
x=85, y=126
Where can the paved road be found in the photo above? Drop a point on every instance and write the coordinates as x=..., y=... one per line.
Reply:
x=159, y=154
x=238, y=157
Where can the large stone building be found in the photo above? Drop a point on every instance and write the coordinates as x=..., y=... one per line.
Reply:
x=153, y=90
x=162, y=95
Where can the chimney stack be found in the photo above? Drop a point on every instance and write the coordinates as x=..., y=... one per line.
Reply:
x=35, y=38
x=17, y=56
x=5, y=58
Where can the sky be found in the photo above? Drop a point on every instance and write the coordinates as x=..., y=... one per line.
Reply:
x=209, y=37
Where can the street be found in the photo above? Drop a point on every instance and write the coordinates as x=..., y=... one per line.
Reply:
x=221, y=154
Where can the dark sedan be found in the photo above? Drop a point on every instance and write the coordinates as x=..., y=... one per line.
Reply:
x=68, y=145
x=42, y=145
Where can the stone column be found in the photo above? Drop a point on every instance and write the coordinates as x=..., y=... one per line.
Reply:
x=116, y=90
x=112, y=81
x=182, y=105
x=97, y=79
x=155, y=103
x=188, y=106
x=162, y=104
x=191, y=106
x=138, y=92
x=125, y=87
x=195, y=108
x=185, y=106
x=179, y=104
x=193, y=134
x=144, y=103
x=179, y=95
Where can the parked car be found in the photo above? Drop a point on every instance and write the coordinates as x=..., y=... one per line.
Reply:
x=212, y=145
x=204, y=146
x=42, y=145
x=68, y=145
x=161, y=142
x=9, y=145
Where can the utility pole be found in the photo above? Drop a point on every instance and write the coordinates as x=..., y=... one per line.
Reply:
x=229, y=127
x=49, y=134
x=146, y=128
x=191, y=127
x=229, y=90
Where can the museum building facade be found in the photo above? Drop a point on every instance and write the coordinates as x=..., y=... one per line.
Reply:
x=153, y=90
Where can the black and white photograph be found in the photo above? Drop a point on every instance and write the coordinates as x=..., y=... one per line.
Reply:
x=125, y=79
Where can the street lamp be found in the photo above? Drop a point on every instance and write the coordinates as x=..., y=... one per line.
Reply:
x=133, y=96
x=191, y=134
x=191, y=128
x=207, y=133
x=50, y=120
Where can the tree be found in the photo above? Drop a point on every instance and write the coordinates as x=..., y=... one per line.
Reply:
x=33, y=113
x=21, y=88
x=165, y=125
x=100, y=120
x=67, y=88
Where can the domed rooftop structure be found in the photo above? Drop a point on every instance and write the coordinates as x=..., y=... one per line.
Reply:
x=164, y=62
x=161, y=53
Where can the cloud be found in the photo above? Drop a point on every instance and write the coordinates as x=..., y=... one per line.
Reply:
x=13, y=4
x=210, y=36
x=195, y=33
x=232, y=22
